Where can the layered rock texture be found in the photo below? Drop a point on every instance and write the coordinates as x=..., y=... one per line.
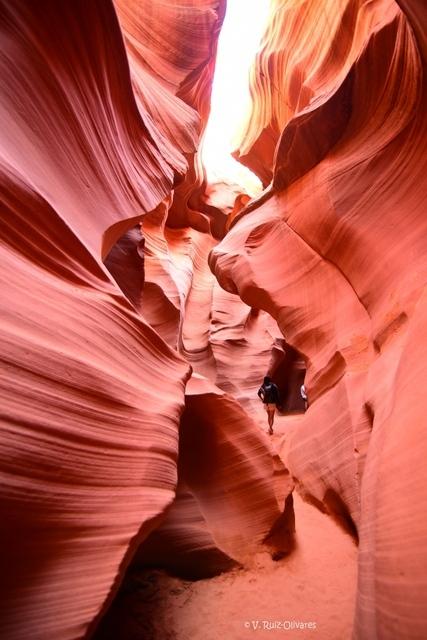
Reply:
x=335, y=251
x=95, y=137
x=141, y=308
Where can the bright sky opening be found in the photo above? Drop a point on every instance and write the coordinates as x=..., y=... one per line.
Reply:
x=244, y=24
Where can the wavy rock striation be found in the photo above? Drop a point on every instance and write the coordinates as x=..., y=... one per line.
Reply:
x=94, y=139
x=130, y=369
x=210, y=526
x=335, y=250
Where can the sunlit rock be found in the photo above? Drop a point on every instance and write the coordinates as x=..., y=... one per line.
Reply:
x=336, y=252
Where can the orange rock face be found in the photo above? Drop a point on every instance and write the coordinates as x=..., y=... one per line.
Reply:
x=87, y=464
x=212, y=523
x=336, y=252
x=94, y=368
x=133, y=343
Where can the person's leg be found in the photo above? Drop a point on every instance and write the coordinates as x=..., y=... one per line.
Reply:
x=268, y=415
x=271, y=410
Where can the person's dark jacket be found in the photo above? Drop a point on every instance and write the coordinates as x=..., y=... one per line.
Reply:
x=269, y=393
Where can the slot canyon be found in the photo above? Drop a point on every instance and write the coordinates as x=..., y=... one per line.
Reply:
x=145, y=298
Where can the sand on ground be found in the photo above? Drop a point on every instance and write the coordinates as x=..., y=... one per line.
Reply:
x=309, y=594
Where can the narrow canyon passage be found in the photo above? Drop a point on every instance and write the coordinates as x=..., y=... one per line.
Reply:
x=314, y=587
x=316, y=584
x=148, y=286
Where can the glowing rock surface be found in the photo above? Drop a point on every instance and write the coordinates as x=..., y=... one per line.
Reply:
x=130, y=374
x=336, y=252
x=92, y=394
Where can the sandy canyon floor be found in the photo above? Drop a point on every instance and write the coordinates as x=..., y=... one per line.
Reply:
x=315, y=584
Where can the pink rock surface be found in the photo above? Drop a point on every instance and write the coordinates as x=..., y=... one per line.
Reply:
x=94, y=373
x=211, y=328
x=109, y=305
x=88, y=458
x=336, y=252
x=213, y=525
x=179, y=78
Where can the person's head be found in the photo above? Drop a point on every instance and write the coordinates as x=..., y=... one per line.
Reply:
x=267, y=380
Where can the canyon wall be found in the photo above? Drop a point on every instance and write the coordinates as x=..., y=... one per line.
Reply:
x=335, y=250
x=130, y=424
x=104, y=311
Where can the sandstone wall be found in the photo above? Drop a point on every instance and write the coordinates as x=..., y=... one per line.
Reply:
x=335, y=250
x=93, y=139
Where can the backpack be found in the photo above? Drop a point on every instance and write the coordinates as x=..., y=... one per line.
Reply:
x=271, y=395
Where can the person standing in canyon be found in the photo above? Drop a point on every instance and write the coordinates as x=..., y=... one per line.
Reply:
x=304, y=396
x=269, y=394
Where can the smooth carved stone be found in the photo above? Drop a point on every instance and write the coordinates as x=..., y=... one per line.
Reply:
x=336, y=251
x=97, y=318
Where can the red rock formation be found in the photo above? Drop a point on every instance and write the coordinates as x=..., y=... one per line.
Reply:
x=211, y=328
x=93, y=392
x=211, y=524
x=176, y=75
x=108, y=300
x=85, y=470
x=336, y=252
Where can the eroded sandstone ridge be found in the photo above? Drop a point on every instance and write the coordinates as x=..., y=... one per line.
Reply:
x=336, y=252
x=93, y=139
x=130, y=367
